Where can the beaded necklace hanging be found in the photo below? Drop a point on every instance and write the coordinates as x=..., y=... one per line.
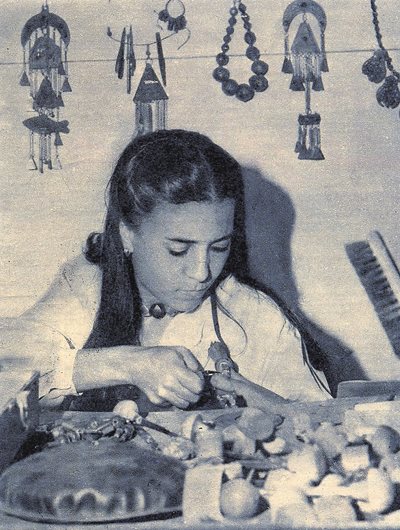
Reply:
x=375, y=68
x=306, y=60
x=257, y=82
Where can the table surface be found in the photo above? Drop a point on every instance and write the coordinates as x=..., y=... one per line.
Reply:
x=332, y=410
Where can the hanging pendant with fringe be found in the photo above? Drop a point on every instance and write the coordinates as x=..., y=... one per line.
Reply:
x=45, y=39
x=305, y=60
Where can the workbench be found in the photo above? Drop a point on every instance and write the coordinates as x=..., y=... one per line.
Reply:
x=331, y=410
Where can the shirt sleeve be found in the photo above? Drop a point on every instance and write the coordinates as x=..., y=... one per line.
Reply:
x=47, y=336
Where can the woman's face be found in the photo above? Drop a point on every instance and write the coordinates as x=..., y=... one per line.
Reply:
x=179, y=250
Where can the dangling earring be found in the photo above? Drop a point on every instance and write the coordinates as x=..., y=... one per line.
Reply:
x=127, y=253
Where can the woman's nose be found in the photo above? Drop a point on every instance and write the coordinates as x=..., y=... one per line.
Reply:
x=199, y=269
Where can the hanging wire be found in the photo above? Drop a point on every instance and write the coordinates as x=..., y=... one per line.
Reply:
x=196, y=57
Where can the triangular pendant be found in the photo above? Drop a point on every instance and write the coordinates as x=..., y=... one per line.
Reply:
x=66, y=87
x=287, y=67
x=24, y=81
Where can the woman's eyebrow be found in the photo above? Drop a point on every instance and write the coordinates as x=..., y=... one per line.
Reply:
x=180, y=240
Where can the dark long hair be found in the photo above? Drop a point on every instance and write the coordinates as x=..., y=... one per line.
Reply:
x=174, y=166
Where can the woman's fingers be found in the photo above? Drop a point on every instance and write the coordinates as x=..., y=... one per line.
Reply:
x=222, y=382
x=188, y=358
x=173, y=398
x=193, y=382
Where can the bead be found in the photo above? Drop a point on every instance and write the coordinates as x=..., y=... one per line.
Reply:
x=245, y=92
x=233, y=11
x=222, y=59
x=259, y=67
x=258, y=82
x=158, y=310
x=242, y=8
x=230, y=87
x=250, y=37
x=229, y=30
x=253, y=53
x=225, y=47
x=227, y=39
x=221, y=74
x=232, y=21
x=247, y=26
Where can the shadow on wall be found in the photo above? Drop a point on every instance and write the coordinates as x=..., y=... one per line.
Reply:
x=270, y=219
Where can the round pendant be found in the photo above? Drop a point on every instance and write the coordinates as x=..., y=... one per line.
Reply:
x=157, y=311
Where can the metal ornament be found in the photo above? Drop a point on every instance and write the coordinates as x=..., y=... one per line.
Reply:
x=305, y=60
x=375, y=68
x=45, y=38
x=151, y=102
x=257, y=82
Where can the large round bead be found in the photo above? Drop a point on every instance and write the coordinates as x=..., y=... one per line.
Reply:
x=222, y=59
x=225, y=47
x=259, y=67
x=253, y=53
x=258, y=82
x=250, y=37
x=230, y=87
x=221, y=74
x=242, y=7
x=232, y=21
x=233, y=11
x=229, y=30
x=245, y=92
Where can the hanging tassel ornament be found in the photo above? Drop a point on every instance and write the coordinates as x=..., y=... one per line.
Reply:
x=45, y=38
x=257, y=82
x=305, y=60
x=150, y=101
x=375, y=68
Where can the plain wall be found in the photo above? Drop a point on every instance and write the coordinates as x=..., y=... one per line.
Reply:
x=301, y=213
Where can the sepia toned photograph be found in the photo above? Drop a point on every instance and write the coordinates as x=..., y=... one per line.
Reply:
x=199, y=281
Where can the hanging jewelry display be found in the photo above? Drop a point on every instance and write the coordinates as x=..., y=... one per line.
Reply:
x=305, y=60
x=375, y=68
x=257, y=82
x=45, y=38
x=150, y=101
x=173, y=13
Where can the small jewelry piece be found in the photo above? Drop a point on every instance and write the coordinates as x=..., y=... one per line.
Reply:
x=158, y=311
x=174, y=15
x=387, y=95
x=306, y=60
x=257, y=82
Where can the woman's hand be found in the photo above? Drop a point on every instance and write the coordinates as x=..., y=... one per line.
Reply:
x=167, y=373
x=255, y=395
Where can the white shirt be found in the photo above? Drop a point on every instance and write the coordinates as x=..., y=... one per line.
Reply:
x=265, y=346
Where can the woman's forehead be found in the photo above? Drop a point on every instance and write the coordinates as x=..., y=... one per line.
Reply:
x=194, y=221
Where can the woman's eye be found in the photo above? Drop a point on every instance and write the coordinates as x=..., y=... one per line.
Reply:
x=177, y=252
x=225, y=248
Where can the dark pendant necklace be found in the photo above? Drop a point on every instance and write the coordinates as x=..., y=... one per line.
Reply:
x=257, y=82
x=157, y=311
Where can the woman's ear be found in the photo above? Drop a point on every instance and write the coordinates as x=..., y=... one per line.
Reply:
x=127, y=237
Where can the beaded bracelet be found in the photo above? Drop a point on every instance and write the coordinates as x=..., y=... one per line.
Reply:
x=257, y=82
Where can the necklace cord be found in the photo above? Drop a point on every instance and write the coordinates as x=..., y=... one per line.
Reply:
x=378, y=34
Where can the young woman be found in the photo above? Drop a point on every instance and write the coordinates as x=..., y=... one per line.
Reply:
x=137, y=313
